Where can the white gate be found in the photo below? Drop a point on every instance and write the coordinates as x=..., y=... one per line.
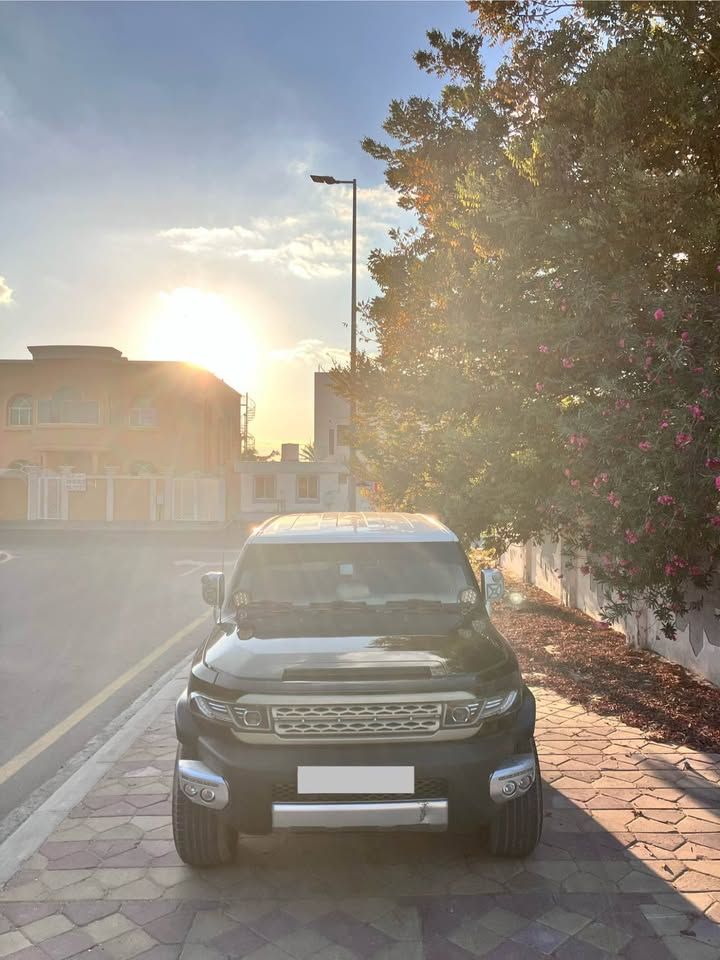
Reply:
x=52, y=501
x=198, y=498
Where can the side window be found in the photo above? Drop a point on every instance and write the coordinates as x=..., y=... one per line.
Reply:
x=265, y=488
x=307, y=488
x=20, y=411
x=331, y=442
x=66, y=406
x=142, y=413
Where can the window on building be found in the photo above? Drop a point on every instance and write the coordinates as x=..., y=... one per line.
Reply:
x=143, y=413
x=66, y=406
x=343, y=435
x=265, y=488
x=307, y=488
x=331, y=442
x=20, y=411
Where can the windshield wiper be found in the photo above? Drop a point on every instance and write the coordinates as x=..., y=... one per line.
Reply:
x=417, y=603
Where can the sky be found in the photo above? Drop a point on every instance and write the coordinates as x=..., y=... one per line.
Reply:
x=154, y=180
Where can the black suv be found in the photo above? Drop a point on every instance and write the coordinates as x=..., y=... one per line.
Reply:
x=353, y=680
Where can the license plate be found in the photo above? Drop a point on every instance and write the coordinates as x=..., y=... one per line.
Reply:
x=356, y=780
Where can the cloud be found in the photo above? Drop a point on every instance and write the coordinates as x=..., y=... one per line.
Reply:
x=376, y=205
x=209, y=239
x=313, y=353
x=6, y=294
x=310, y=244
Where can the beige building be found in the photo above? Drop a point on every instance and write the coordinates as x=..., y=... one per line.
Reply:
x=90, y=436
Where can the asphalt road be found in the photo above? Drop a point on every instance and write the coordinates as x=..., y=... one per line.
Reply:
x=87, y=624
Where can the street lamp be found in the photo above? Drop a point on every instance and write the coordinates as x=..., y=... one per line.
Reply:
x=331, y=181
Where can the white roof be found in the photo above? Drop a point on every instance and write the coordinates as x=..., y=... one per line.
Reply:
x=352, y=528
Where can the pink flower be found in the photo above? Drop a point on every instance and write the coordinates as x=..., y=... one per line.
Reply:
x=665, y=500
x=614, y=499
x=659, y=314
x=685, y=336
x=543, y=348
x=567, y=363
x=631, y=536
x=645, y=446
x=664, y=424
x=695, y=571
x=717, y=483
x=600, y=478
x=670, y=569
x=713, y=463
x=539, y=387
x=682, y=439
x=566, y=471
x=715, y=521
x=706, y=393
x=585, y=568
x=698, y=370
x=621, y=343
x=575, y=483
x=649, y=527
x=718, y=268
x=579, y=441
x=696, y=410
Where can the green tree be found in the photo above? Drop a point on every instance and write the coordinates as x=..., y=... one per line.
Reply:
x=548, y=336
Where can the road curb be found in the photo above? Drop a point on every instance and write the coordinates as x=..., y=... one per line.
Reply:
x=32, y=833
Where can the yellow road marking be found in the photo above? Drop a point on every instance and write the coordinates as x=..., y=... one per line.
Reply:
x=21, y=759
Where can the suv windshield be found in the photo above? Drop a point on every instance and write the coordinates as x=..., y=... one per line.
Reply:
x=371, y=573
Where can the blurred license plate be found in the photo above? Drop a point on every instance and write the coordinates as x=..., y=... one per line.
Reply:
x=356, y=780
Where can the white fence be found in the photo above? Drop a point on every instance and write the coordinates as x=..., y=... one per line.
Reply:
x=121, y=498
x=697, y=645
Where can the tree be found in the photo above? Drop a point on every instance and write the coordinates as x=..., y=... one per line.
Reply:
x=307, y=451
x=548, y=336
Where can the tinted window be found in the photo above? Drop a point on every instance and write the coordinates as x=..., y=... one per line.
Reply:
x=374, y=573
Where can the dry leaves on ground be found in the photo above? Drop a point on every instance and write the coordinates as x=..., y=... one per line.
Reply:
x=591, y=664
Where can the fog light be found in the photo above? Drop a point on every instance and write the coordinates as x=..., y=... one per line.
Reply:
x=509, y=788
x=460, y=714
x=207, y=795
x=252, y=718
x=190, y=790
x=525, y=781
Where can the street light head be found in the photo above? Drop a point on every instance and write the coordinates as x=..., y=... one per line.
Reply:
x=316, y=178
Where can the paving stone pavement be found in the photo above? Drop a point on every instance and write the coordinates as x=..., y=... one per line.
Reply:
x=629, y=867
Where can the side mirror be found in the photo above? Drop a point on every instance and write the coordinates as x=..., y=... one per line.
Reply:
x=213, y=589
x=493, y=586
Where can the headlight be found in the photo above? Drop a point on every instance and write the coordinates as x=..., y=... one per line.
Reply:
x=246, y=717
x=468, y=713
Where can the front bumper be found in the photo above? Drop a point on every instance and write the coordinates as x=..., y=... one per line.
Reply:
x=473, y=773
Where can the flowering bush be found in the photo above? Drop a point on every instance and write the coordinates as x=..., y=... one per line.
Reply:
x=548, y=339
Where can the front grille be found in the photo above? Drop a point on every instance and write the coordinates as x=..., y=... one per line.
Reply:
x=329, y=720
x=428, y=789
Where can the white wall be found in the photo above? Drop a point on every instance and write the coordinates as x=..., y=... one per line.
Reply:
x=697, y=645
x=330, y=412
x=331, y=494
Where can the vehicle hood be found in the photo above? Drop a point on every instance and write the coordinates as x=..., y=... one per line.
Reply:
x=397, y=656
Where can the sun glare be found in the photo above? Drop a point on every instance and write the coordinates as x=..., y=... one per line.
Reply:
x=206, y=329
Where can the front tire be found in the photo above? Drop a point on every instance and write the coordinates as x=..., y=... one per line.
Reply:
x=202, y=838
x=516, y=829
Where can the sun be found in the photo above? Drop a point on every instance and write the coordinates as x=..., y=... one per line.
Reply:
x=206, y=329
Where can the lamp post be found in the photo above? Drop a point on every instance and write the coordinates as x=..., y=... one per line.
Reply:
x=331, y=181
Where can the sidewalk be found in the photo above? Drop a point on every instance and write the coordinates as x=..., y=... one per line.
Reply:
x=629, y=866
